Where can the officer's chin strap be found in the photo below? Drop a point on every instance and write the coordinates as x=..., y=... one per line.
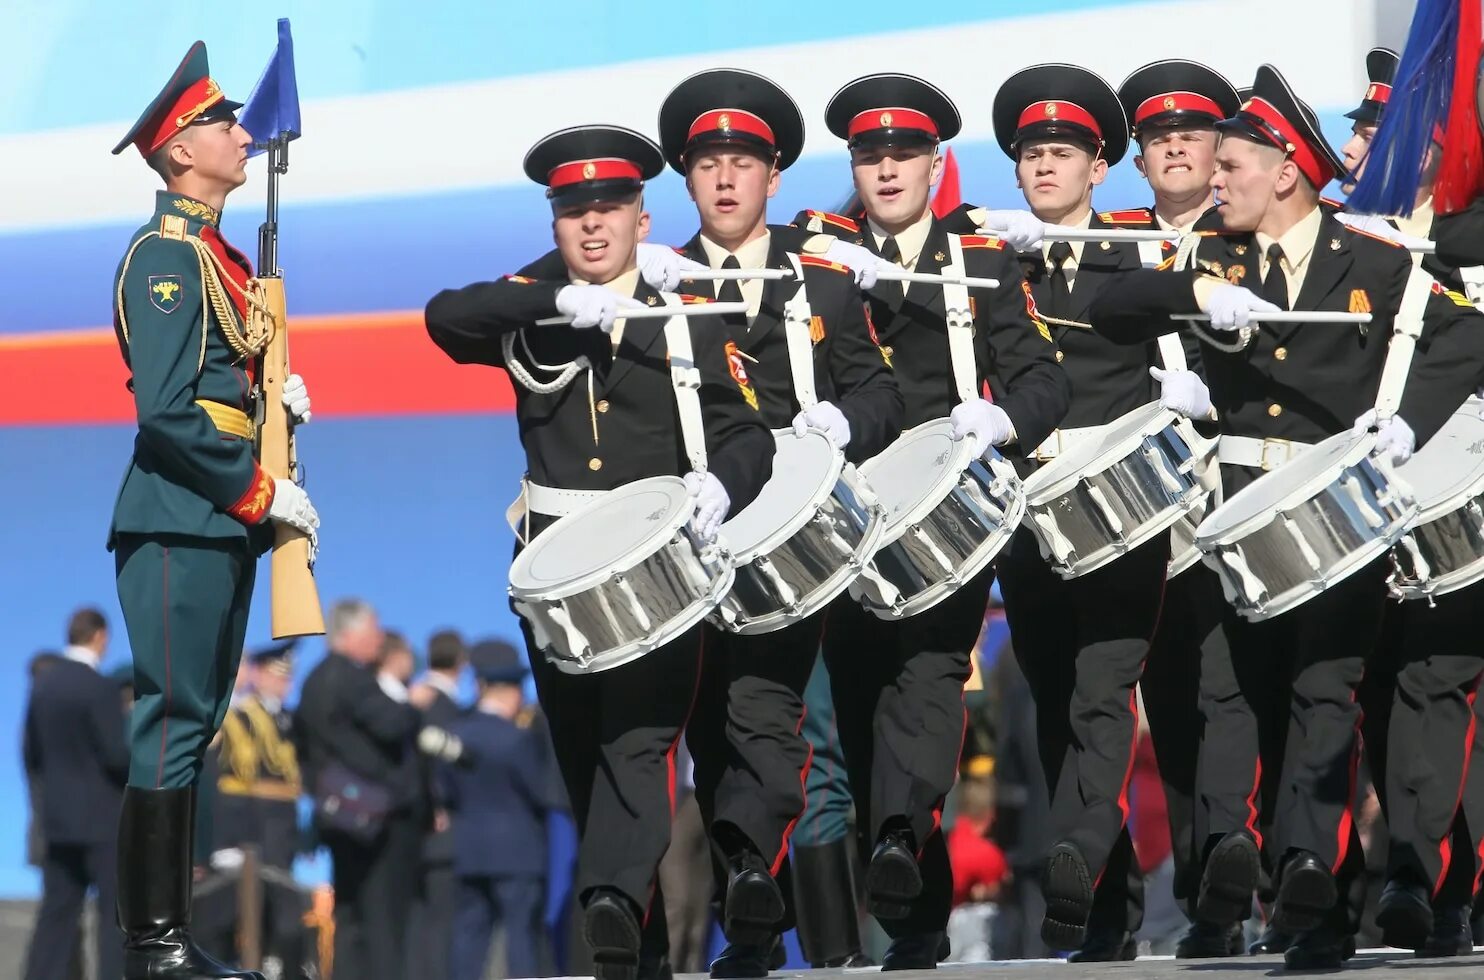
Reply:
x=1406, y=328
x=797, y=316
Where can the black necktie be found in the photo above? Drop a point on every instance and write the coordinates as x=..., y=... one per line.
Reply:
x=730, y=291
x=1059, y=255
x=1275, y=284
x=892, y=252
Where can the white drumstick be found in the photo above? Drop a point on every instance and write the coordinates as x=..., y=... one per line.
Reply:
x=719, y=274
x=660, y=312
x=1287, y=316
x=1061, y=233
x=902, y=275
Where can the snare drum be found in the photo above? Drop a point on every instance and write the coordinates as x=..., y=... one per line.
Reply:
x=1297, y=530
x=1113, y=490
x=802, y=541
x=1443, y=549
x=948, y=513
x=611, y=582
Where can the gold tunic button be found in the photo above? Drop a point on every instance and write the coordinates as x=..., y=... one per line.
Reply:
x=1274, y=410
x=1281, y=354
x=596, y=464
x=602, y=406
x=1060, y=357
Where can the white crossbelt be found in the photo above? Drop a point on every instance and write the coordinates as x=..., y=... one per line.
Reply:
x=1265, y=454
x=1062, y=440
x=1406, y=328
x=796, y=319
x=960, y=319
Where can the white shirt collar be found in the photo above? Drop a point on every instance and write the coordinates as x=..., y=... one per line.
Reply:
x=440, y=681
x=910, y=240
x=753, y=255
x=1419, y=225
x=1297, y=242
x=392, y=687
x=82, y=655
x=1085, y=222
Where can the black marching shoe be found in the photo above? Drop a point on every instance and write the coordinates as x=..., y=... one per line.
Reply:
x=1106, y=946
x=1306, y=894
x=893, y=880
x=154, y=889
x=744, y=960
x=1206, y=941
x=922, y=951
x=754, y=904
x=1067, y=887
x=1270, y=942
x=1404, y=914
x=1319, y=949
x=610, y=924
x=1451, y=934
x=824, y=903
x=1228, y=881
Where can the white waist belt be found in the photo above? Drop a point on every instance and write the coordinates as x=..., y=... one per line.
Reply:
x=1062, y=440
x=556, y=502
x=1266, y=454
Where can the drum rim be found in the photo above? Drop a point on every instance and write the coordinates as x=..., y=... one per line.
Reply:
x=1208, y=538
x=1037, y=495
x=571, y=587
x=805, y=513
x=946, y=482
x=1471, y=407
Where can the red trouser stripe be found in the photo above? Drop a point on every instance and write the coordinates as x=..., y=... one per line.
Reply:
x=1445, y=847
x=670, y=757
x=803, y=794
x=1342, y=843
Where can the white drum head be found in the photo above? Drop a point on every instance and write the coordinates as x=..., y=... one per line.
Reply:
x=1096, y=451
x=582, y=548
x=1447, y=471
x=804, y=472
x=1299, y=479
x=913, y=474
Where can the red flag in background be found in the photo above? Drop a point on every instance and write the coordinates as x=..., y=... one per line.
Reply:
x=947, y=198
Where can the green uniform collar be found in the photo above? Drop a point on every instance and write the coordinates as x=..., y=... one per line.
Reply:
x=170, y=202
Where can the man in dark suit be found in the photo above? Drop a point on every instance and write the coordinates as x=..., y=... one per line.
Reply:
x=497, y=796
x=358, y=756
x=77, y=755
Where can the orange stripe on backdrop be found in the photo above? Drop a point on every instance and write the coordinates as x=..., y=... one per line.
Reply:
x=355, y=364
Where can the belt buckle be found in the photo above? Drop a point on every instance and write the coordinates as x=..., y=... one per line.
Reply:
x=1268, y=465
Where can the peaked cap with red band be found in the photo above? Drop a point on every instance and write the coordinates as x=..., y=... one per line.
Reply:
x=586, y=164
x=1274, y=116
x=1056, y=100
x=1177, y=92
x=191, y=96
x=730, y=106
x=1380, y=67
x=889, y=109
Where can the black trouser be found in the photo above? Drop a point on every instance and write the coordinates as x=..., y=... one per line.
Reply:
x=1419, y=729
x=433, y=908
x=898, y=692
x=1282, y=724
x=746, y=736
x=1082, y=644
x=373, y=897
x=615, y=734
x=66, y=874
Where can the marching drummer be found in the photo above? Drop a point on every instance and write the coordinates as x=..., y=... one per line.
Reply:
x=1293, y=386
x=731, y=134
x=898, y=685
x=1082, y=642
x=596, y=410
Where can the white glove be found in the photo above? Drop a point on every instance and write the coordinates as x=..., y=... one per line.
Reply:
x=1376, y=225
x=296, y=399
x=1394, y=437
x=1183, y=392
x=291, y=506
x=987, y=424
x=828, y=418
x=663, y=267
x=1021, y=230
x=1231, y=307
x=593, y=306
x=862, y=261
x=712, y=504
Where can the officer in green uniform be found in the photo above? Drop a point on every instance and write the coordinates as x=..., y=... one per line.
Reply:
x=192, y=513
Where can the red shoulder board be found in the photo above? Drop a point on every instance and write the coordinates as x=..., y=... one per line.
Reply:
x=839, y=220
x=687, y=298
x=1379, y=238
x=523, y=280
x=821, y=262
x=981, y=241
x=1131, y=216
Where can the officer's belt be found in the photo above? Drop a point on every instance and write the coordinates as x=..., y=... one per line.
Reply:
x=1265, y=454
x=1062, y=440
x=232, y=421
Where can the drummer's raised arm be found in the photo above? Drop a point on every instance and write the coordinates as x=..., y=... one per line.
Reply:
x=1135, y=307
x=468, y=323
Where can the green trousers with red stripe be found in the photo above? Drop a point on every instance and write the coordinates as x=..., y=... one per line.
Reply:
x=185, y=602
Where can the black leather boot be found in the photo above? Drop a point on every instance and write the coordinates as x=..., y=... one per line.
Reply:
x=824, y=897
x=154, y=889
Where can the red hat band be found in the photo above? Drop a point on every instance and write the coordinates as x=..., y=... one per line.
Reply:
x=200, y=96
x=890, y=117
x=1282, y=134
x=1057, y=110
x=1176, y=102
x=729, y=121
x=1378, y=92
x=602, y=168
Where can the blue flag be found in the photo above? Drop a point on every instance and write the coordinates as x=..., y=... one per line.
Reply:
x=272, y=110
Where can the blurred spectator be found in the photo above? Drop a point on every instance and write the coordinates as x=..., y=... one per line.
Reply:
x=358, y=756
x=1149, y=825
x=685, y=875
x=979, y=873
x=76, y=754
x=433, y=903
x=395, y=665
x=497, y=797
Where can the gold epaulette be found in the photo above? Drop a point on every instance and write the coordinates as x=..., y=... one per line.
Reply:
x=981, y=241
x=819, y=262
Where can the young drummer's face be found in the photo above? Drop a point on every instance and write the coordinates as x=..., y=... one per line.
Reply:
x=731, y=188
x=895, y=182
x=1057, y=177
x=1178, y=161
x=597, y=238
x=1245, y=182
x=1354, y=152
